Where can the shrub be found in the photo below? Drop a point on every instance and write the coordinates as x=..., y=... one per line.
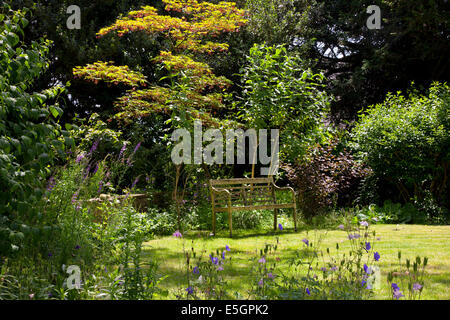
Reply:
x=406, y=142
x=328, y=176
x=30, y=137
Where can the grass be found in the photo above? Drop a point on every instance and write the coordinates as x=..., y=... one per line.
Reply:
x=411, y=240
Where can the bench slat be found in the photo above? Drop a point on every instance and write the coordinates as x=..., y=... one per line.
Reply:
x=240, y=181
x=257, y=207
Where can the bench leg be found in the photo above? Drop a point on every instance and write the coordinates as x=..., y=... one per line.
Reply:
x=213, y=202
x=230, y=219
x=230, y=223
x=275, y=217
x=214, y=223
x=295, y=218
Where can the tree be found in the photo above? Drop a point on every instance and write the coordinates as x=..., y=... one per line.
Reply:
x=279, y=93
x=190, y=34
x=191, y=90
x=362, y=65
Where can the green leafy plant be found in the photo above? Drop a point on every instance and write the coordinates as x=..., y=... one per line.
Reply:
x=406, y=142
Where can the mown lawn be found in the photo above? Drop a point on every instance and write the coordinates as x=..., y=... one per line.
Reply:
x=411, y=240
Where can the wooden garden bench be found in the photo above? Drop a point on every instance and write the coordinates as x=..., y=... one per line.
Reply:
x=228, y=195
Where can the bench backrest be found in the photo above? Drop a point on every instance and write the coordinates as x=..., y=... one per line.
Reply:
x=244, y=191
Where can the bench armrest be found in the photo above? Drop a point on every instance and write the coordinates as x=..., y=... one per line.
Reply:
x=221, y=190
x=285, y=188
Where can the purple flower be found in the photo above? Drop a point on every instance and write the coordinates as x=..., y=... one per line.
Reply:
x=363, y=283
x=397, y=294
x=227, y=248
x=306, y=241
x=308, y=292
x=270, y=275
x=367, y=246
x=280, y=227
x=220, y=268
x=177, y=234
x=77, y=247
x=189, y=290
x=50, y=254
x=100, y=186
x=341, y=226
x=261, y=282
x=323, y=269
x=79, y=158
x=353, y=236
x=417, y=286
x=51, y=183
x=214, y=260
x=262, y=260
x=395, y=287
x=95, y=168
x=223, y=255
x=334, y=268
x=364, y=223
x=94, y=147
x=87, y=172
x=74, y=197
x=195, y=270
x=376, y=256
x=134, y=182
x=122, y=150
x=367, y=269
x=137, y=147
